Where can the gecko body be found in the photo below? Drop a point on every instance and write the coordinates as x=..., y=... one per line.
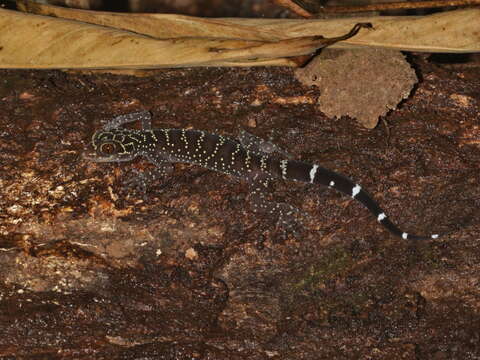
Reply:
x=243, y=159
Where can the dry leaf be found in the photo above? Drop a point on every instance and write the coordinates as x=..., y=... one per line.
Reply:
x=30, y=41
x=450, y=31
x=41, y=42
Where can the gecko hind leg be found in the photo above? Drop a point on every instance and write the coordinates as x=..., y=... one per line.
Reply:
x=288, y=217
x=144, y=116
x=256, y=144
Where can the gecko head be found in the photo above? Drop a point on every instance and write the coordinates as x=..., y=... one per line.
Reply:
x=114, y=145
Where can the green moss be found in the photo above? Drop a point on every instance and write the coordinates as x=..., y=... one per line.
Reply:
x=330, y=264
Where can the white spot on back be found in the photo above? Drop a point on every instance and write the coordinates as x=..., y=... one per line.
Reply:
x=435, y=236
x=404, y=236
x=356, y=190
x=313, y=171
x=381, y=217
x=332, y=183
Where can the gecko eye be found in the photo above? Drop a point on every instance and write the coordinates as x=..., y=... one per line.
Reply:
x=108, y=149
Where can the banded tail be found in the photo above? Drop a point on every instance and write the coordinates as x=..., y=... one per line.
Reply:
x=315, y=174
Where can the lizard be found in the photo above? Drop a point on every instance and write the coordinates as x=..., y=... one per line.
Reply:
x=248, y=157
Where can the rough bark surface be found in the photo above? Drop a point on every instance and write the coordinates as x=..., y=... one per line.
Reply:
x=92, y=269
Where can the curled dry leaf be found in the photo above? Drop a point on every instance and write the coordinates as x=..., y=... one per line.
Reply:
x=33, y=41
x=177, y=41
x=450, y=31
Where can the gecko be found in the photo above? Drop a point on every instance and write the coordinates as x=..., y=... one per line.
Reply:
x=248, y=157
